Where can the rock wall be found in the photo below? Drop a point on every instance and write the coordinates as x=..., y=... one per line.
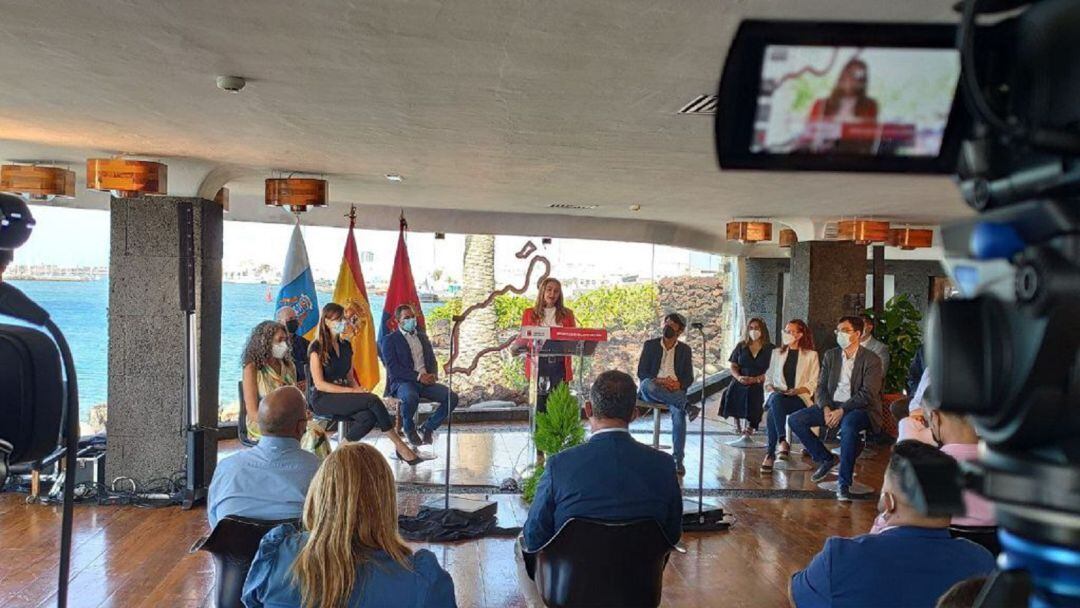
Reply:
x=705, y=300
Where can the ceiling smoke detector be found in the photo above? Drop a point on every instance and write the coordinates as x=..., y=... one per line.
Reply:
x=231, y=84
x=572, y=206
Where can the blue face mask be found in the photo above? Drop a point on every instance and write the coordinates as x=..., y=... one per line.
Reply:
x=409, y=325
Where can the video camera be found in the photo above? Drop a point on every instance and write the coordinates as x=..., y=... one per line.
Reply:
x=993, y=100
x=40, y=406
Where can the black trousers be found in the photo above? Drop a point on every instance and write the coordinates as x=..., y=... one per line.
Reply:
x=554, y=369
x=364, y=409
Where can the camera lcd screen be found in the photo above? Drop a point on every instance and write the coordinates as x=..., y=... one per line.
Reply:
x=848, y=100
x=840, y=97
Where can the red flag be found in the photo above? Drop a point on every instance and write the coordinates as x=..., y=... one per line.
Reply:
x=402, y=289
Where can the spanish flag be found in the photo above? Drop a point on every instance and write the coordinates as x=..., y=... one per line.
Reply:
x=350, y=293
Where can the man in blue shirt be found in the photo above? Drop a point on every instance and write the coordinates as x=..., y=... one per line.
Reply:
x=270, y=480
x=611, y=477
x=910, y=563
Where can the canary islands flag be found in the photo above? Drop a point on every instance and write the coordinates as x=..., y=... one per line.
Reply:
x=350, y=293
x=402, y=288
x=298, y=287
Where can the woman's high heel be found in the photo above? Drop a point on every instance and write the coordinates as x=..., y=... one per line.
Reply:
x=412, y=463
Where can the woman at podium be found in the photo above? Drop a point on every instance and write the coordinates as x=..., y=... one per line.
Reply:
x=549, y=311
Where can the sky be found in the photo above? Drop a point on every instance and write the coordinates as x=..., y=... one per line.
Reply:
x=80, y=237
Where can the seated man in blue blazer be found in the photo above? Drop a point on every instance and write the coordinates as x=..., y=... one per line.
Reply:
x=665, y=371
x=849, y=397
x=911, y=562
x=412, y=373
x=612, y=477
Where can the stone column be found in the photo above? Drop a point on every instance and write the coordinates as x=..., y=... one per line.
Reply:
x=828, y=281
x=761, y=292
x=146, y=335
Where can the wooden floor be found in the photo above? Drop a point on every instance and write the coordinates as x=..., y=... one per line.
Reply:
x=127, y=556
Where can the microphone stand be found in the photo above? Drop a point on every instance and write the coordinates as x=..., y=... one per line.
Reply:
x=714, y=518
x=470, y=508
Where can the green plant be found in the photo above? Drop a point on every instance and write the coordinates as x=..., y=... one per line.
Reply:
x=444, y=311
x=557, y=429
x=508, y=310
x=629, y=307
x=899, y=327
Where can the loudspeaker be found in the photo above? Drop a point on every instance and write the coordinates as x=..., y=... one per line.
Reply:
x=185, y=221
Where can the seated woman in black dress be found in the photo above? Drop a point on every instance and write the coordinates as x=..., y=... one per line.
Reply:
x=334, y=391
x=749, y=362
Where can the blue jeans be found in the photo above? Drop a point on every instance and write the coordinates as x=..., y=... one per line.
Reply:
x=851, y=424
x=779, y=407
x=676, y=402
x=409, y=393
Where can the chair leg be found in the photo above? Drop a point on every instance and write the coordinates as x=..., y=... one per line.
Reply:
x=656, y=428
x=35, y=485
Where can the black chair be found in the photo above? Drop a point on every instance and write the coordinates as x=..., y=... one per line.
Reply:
x=241, y=422
x=233, y=543
x=598, y=563
x=986, y=536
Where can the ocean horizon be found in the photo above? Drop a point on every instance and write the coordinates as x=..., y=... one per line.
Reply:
x=80, y=310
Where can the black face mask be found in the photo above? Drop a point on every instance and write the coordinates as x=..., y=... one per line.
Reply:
x=292, y=325
x=669, y=332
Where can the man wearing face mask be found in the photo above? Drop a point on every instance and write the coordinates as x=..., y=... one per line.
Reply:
x=956, y=436
x=848, y=397
x=914, y=548
x=412, y=373
x=297, y=343
x=665, y=371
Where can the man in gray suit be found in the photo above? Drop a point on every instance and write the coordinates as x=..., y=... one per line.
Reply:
x=849, y=397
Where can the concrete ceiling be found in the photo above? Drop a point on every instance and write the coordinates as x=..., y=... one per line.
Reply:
x=491, y=110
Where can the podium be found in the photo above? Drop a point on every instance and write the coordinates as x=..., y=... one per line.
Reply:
x=556, y=343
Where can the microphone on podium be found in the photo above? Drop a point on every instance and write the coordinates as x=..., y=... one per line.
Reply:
x=698, y=326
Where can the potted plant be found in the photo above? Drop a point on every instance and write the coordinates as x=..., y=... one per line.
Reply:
x=556, y=430
x=900, y=328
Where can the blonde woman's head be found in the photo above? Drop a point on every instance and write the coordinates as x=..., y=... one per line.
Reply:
x=350, y=512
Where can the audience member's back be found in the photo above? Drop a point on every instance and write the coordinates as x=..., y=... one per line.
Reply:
x=910, y=563
x=612, y=477
x=903, y=567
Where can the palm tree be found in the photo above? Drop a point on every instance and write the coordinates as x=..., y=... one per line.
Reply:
x=479, y=330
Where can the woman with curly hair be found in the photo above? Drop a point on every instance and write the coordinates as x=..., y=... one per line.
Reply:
x=268, y=365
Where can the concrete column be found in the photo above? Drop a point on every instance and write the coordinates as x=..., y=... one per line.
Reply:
x=828, y=281
x=763, y=283
x=146, y=335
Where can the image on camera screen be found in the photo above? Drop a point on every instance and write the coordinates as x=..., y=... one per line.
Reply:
x=859, y=101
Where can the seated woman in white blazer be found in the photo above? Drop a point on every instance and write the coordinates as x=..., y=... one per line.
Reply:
x=790, y=384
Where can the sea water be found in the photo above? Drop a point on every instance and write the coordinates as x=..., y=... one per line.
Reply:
x=79, y=309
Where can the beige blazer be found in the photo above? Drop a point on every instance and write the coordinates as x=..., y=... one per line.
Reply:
x=806, y=374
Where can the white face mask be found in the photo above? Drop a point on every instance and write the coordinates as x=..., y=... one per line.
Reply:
x=755, y=334
x=787, y=339
x=337, y=327
x=279, y=349
x=844, y=340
